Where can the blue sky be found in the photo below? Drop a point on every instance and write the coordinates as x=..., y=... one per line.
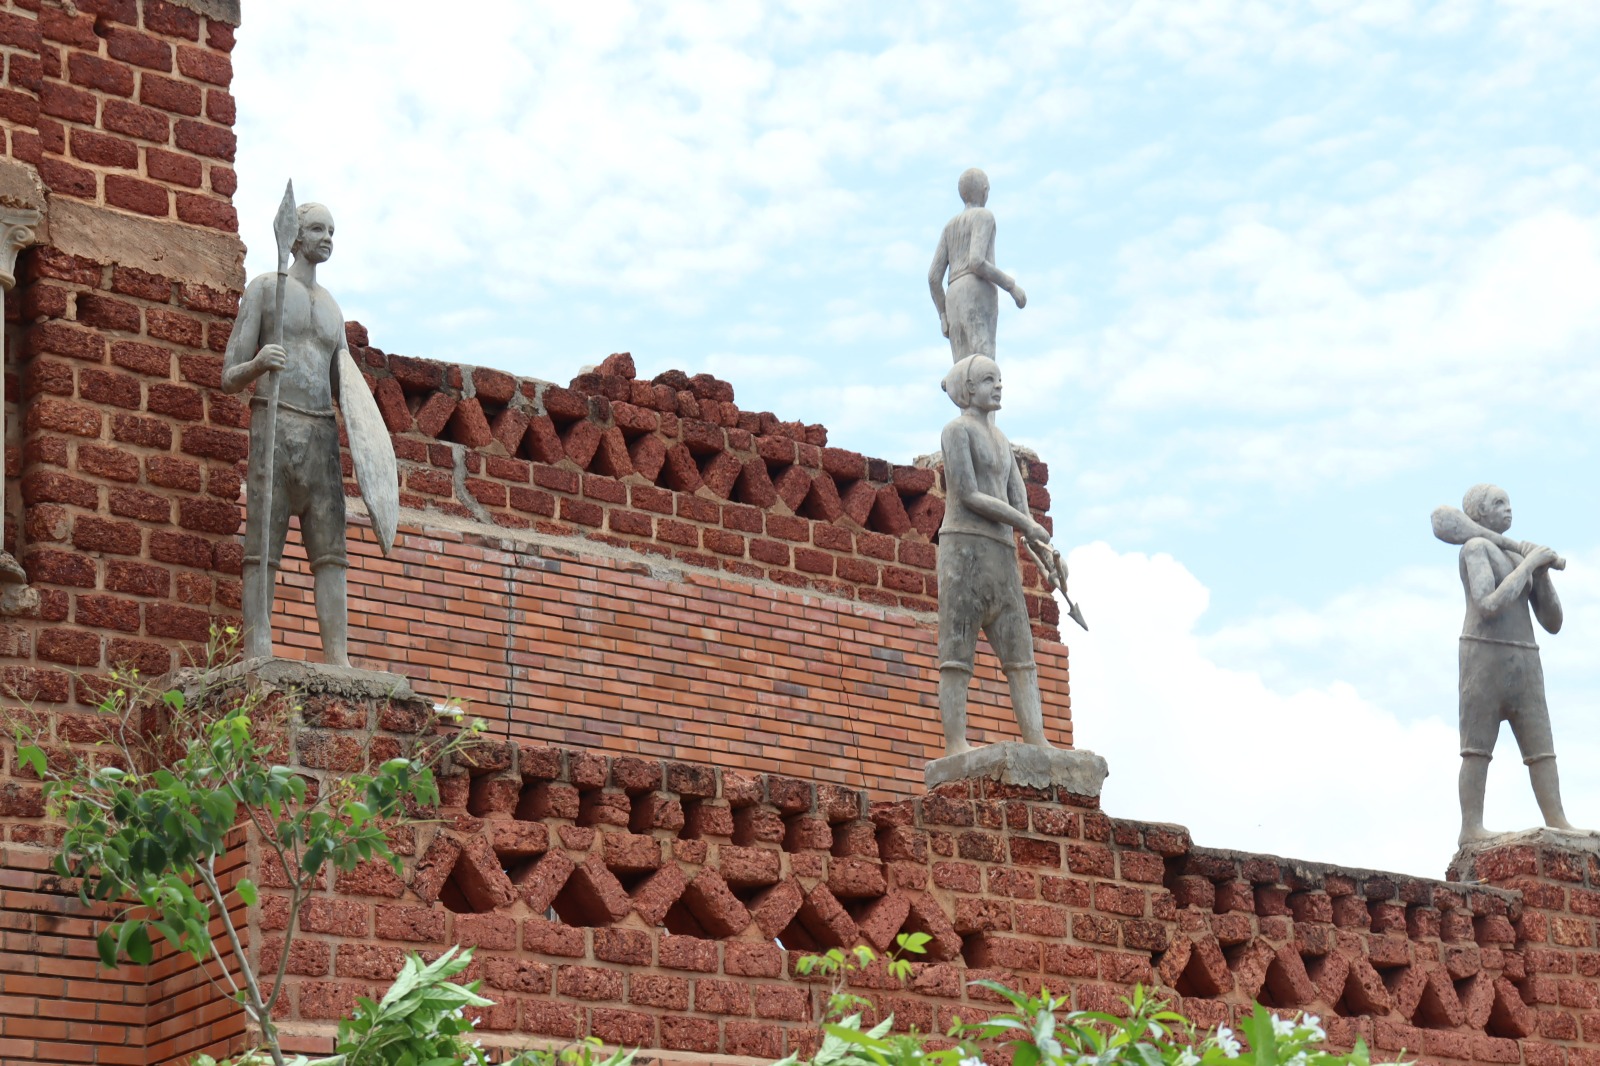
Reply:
x=1297, y=273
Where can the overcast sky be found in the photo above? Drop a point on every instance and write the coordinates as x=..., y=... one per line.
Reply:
x=1298, y=272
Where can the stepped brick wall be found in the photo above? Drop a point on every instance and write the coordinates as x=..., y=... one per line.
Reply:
x=664, y=904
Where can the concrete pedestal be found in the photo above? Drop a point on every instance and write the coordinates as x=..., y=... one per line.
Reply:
x=1464, y=866
x=1079, y=772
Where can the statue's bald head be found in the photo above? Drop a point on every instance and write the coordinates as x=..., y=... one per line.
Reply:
x=973, y=187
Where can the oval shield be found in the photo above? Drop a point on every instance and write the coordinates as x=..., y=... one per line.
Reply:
x=371, y=450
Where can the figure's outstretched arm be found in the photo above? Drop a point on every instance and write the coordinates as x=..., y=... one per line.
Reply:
x=962, y=485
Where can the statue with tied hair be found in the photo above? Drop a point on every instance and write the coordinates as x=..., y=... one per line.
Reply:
x=312, y=365
x=980, y=577
x=969, y=309
x=1501, y=677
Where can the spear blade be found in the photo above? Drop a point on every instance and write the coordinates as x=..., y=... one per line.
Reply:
x=285, y=227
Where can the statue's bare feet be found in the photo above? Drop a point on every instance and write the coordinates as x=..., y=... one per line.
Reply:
x=960, y=747
x=1470, y=833
x=1561, y=825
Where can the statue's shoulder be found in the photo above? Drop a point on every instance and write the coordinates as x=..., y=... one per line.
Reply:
x=1478, y=547
x=259, y=284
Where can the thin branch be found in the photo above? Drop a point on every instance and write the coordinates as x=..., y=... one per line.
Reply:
x=208, y=874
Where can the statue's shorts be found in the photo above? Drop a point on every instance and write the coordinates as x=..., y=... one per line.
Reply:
x=308, y=482
x=980, y=588
x=1503, y=681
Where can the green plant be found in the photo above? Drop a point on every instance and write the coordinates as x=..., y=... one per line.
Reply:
x=150, y=812
x=840, y=966
x=1038, y=1033
x=422, y=1021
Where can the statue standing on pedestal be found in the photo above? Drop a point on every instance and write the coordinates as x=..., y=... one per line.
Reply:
x=969, y=310
x=1501, y=676
x=980, y=578
x=289, y=338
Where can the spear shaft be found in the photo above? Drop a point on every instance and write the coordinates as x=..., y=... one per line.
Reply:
x=285, y=228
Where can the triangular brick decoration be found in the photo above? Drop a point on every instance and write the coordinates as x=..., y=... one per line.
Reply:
x=720, y=472
x=823, y=921
x=822, y=502
x=882, y=919
x=656, y=894
x=1250, y=965
x=592, y=896
x=1439, y=1007
x=435, y=866
x=1328, y=973
x=926, y=916
x=776, y=907
x=1477, y=999
x=755, y=485
x=1173, y=962
x=476, y=884
x=611, y=458
x=1206, y=972
x=714, y=905
x=538, y=882
x=1287, y=984
x=792, y=484
x=1362, y=992
x=1510, y=1016
x=889, y=513
x=679, y=471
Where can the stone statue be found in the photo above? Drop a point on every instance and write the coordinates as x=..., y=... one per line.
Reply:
x=980, y=578
x=290, y=329
x=970, y=309
x=1501, y=677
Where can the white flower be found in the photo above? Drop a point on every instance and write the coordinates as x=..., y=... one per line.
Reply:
x=1188, y=1058
x=1226, y=1042
x=1282, y=1027
x=1297, y=1059
x=1314, y=1024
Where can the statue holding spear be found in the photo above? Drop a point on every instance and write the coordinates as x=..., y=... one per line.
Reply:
x=289, y=338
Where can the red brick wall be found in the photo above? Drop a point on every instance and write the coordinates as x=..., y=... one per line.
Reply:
x=671, y=468
x=555, y=642
x=123, y=103
x=682, y=894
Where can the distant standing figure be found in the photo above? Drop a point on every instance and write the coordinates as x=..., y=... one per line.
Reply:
x=1501, y=677
x=969, y=309
x=980, y=578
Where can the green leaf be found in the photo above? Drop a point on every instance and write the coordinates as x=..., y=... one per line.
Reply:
x=247, y=892
x=33, y=758
x=107, y=946
x=138, y=946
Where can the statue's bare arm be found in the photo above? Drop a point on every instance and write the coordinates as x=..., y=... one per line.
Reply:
x=962, y=484
x=1546, y=604
x=1490, y=598
x=982, y=241
x=941, y=263
x=246, y=360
